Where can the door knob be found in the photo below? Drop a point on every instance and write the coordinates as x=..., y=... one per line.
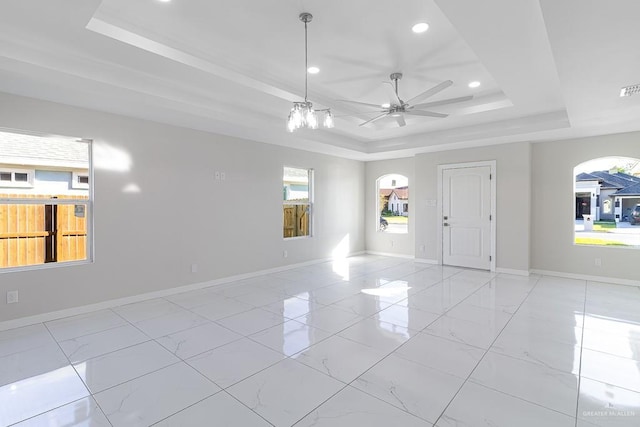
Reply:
x=446, y=217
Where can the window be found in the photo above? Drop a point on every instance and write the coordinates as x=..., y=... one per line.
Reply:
x=297, y=202
x=607, y=202
x=393, y=203
x=79, y=180
x=45, y=211
x=15, y=178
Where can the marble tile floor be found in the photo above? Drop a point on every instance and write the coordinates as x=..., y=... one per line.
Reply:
x=366, y=341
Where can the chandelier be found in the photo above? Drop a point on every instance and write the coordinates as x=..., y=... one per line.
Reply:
x=302, y=115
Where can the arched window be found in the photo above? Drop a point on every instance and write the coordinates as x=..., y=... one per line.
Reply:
x=607, y=202
x=393, y=203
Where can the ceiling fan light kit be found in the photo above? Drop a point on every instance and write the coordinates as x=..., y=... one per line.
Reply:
x=630, y=90
x=302, y=115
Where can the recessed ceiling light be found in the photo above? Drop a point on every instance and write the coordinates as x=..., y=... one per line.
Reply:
x=474, y=84
x=386, y=105
x=420, y=27
x=164, y=1
x=313, y=70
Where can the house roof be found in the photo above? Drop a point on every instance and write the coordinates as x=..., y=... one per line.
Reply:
x=584, y=176
x=619, y=180
x=632, y=190
x=29, y=150
x=401, y=192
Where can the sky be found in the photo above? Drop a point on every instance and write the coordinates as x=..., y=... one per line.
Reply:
x=604, y=163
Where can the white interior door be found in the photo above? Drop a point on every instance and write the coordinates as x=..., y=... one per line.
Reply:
x=466, y=217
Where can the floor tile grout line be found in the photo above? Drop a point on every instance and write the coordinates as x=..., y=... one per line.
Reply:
x=584, y=308
x=485, y=353
x=127, y=323
x=58, y=407
x=349, y=384
x=321, y=403
x=183, y=360
x=317, y=370
x=334, y=334
x=79, y=377
x=89, y=333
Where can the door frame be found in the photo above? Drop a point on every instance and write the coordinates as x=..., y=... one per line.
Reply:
x=494, y=217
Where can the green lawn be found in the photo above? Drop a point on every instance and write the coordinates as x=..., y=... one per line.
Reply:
x=603, y=225
x=600, y=242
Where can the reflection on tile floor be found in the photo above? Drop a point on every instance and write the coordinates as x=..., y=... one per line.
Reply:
x=366, y=341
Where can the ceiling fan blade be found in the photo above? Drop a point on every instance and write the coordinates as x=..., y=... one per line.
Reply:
x=391, y=93
x=360, y=103
x=426, y=113
x=430, y=92
x=374, y=119
x=400, y=120
x=443, y=102
x=364, y=113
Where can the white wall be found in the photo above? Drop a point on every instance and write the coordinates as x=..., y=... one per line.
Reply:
x=388, y=243
x=146, y=241
x=552, y=243
x=512, y=201
x=513, y=163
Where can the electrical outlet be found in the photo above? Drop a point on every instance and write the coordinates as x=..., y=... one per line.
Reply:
x=12, y=297
x=194, y=268
x=285, y=254
x=597, y=262
x=422, y=248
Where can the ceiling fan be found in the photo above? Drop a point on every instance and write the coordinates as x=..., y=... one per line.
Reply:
x=397, y=108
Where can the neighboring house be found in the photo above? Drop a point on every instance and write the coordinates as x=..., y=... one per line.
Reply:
x=42, y=166
x=396, y=200
x=607, y=195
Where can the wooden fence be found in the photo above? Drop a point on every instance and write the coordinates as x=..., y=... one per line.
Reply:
x=38, y=233
x=296, y=220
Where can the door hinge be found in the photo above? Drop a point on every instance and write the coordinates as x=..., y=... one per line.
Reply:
x=489, y=257
x=490, y=218
x=490, y=177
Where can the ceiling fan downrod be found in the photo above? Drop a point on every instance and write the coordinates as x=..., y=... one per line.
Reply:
x=395, y=77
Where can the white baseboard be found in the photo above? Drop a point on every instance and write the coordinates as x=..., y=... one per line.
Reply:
x=74, y=311
x=515, y=272
x=390, y=254
x=601, y=279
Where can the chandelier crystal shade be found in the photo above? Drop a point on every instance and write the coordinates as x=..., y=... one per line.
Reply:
x=302, y=115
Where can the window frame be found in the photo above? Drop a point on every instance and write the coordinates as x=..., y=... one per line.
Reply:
x=31, y=173
x=588, y=191
x=379, y=207
x=75, y=180
x=54, y=201
x=309, y=203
